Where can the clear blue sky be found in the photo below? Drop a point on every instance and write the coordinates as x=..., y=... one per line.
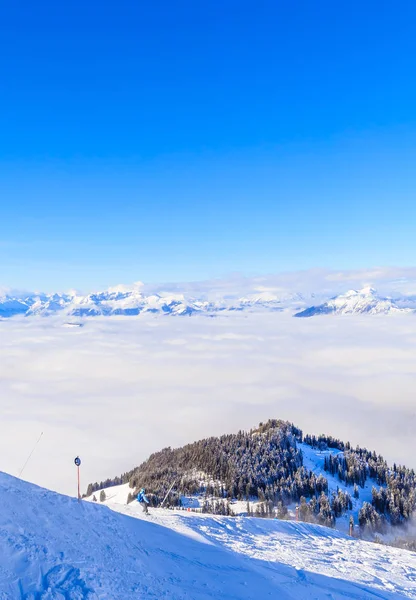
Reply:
x=185, y=140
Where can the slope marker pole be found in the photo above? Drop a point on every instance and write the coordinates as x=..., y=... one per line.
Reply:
x=77, y=462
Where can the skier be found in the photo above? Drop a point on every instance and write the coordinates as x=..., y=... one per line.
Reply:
x=141, y=499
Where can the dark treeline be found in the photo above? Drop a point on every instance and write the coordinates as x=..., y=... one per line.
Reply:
x=266, y=464
x=323, y=442
x=93, y=487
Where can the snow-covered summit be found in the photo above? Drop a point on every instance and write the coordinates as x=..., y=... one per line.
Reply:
x=56, y=547
x=363, y=301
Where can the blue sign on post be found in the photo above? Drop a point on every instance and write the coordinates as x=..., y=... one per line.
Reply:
x=77, y=461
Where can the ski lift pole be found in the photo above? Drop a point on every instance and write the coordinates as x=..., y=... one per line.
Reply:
x=77, y=462
x=28, y=458
x=169, y=491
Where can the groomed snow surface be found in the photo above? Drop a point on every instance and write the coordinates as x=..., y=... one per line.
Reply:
x=54, y=547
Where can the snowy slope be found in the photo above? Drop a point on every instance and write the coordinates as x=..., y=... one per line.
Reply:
x=10, y=306
x=54, y=547
x=313, y=460
x=364, y=301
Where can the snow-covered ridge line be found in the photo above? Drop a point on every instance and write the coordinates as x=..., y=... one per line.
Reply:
x=132, y=301
x=364, y=301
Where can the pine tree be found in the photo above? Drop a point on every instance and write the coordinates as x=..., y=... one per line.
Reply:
x=281, y=510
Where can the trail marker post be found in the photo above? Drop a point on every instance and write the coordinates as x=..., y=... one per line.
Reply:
x=77, y=462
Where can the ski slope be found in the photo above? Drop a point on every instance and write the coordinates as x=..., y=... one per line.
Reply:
x=54, y=547
x=313, y=460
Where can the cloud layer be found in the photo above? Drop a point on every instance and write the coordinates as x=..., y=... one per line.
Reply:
x=120, y=388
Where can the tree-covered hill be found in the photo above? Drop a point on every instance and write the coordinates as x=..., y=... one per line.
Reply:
x=267, y=464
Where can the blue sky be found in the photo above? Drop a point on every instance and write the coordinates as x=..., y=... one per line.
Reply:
x=182, y=140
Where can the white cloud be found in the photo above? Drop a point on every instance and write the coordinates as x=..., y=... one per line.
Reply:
x=388, y=280
x=120, y=388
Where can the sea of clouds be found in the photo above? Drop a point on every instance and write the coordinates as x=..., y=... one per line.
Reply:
x=119, y=388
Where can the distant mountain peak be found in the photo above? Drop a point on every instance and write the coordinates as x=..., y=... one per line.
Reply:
x=363, y=301
x=365, y=291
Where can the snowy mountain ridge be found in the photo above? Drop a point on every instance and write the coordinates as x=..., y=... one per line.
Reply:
x=364, y=301
x=133, y=301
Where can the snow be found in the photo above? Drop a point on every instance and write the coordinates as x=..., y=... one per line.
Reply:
x=116, y=494
x=55, y=547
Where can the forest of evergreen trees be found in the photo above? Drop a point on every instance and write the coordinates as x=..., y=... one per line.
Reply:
x=263, y=463
x=93, y=487
x=266, y=463
x=393, y=502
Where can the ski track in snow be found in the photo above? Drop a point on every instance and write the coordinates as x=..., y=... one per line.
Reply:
x=56, y=548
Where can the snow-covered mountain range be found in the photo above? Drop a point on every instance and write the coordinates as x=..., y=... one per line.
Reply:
x=133, y=300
